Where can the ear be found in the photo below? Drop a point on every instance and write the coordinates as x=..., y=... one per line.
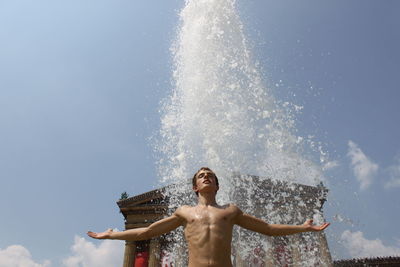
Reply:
x=195, y=189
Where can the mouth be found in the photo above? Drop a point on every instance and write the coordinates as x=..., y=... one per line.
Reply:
x=207, y=182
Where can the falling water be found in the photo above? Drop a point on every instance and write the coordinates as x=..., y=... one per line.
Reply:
x=220, y=113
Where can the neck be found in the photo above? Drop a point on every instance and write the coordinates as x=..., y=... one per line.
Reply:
x=207, y=199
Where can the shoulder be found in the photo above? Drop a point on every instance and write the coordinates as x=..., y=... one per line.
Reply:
x=183, y=210
x=233, y=206
x=235, y=209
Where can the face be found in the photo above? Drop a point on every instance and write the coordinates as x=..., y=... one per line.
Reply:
x=206, y=182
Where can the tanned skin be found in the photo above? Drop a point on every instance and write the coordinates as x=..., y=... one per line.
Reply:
x=208, y=226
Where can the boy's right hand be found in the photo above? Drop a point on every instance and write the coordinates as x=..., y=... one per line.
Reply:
x=103, y=235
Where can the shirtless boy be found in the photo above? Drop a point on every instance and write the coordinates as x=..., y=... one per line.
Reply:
x=208, y=226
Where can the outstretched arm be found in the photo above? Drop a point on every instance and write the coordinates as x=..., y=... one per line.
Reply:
x=254, y=224
x=155, y=229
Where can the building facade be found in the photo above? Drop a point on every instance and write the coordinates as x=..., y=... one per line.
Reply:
x=393, y=261
x=289, y=202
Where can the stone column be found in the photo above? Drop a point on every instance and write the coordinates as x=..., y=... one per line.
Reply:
x=154, y=252
x=129, y=255
x=325, y=253
x=269, y=255
x=295, y=251
x=239, y=261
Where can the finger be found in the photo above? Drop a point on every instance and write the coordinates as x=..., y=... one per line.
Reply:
x=326, y=225
x=91, y=234
x=323, y=227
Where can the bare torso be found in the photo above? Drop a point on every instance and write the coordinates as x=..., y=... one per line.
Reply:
x=208, y=232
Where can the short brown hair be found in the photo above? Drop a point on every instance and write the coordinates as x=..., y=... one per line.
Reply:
x=203, y=169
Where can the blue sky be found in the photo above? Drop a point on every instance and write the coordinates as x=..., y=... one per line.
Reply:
x=80, y=86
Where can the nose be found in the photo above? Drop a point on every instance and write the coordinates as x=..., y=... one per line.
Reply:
x=207, y=175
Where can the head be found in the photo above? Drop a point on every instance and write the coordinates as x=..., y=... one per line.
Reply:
x=204, y=173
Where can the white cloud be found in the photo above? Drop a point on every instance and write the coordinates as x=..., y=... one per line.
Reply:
x=87, y=254
x=360, y=247
x=394, y=174
x=363, y=168
x=84, y=254
x=19, y=256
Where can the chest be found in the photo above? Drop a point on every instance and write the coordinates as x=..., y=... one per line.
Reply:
x=210, y=216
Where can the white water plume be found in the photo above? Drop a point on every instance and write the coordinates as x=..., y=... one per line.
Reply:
x=220, y=113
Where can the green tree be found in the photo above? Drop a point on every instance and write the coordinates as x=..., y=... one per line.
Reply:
x=124, y=195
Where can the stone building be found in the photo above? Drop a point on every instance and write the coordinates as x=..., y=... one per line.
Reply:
x=283, y=202
x=393, y=261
